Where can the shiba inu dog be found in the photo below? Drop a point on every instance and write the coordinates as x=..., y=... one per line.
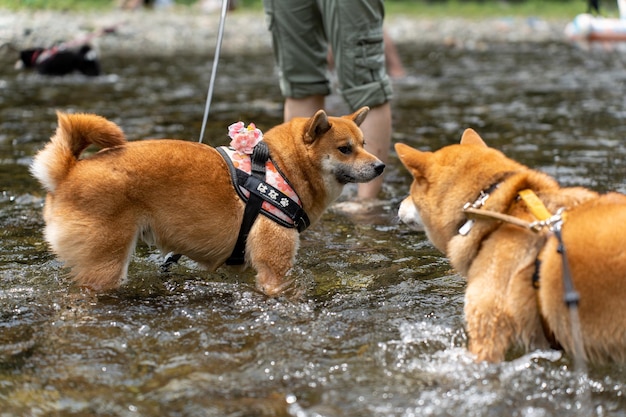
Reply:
x=180, y=196
x=473, y=203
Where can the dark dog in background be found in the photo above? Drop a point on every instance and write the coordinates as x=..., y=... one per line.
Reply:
x=61, y=60
x=65, y=57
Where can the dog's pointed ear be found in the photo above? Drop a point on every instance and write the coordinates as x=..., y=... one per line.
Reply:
x=316, y=126
x=470, y=137
x=360, y=115
x=413, y=160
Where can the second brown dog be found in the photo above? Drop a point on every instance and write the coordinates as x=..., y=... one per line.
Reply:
x=504, y=305
x=179, y=195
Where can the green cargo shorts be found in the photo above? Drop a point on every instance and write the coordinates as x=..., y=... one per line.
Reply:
x=302, y=31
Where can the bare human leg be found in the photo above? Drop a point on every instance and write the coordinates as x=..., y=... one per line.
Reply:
x=377, y=132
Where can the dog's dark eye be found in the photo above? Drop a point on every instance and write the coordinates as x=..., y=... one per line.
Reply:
x=346, y=150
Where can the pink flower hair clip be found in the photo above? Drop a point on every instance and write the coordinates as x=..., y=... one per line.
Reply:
x=243, y=138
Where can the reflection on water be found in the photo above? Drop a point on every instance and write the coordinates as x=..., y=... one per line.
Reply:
x=380, y=331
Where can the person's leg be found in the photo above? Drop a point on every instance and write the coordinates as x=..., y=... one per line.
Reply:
x=355, y=31
x=395, y=69
x=300, y=49
x=302, y=107
x=377, y=132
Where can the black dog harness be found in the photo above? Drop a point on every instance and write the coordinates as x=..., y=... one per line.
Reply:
x=281, y=205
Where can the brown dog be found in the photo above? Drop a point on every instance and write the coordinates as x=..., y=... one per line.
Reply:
x=500, y=258
x=179, y=195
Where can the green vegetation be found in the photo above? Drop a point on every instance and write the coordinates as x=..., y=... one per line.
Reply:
x=425, y=8
x=564, y=9
x=56, y=4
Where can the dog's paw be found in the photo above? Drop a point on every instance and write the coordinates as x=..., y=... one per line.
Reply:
x=274, y=290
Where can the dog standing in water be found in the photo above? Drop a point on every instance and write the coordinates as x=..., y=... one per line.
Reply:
x=515, y=290
x=180, y=196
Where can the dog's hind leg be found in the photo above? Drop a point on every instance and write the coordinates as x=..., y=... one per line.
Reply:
x=98, y=257
x=107, y=272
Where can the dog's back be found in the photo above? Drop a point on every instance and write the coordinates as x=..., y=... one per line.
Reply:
x=594, y=235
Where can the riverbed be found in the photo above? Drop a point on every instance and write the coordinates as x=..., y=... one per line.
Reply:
x=379, y=331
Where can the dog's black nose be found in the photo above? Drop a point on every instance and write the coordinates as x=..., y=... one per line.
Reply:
x=379, y=168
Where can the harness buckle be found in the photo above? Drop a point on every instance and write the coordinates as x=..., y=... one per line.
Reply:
x=478, y=203
x=553, y=222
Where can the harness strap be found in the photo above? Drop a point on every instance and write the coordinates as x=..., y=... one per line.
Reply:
x=476, y=205
x=259, y=157
x=571, y=296
x=535, y=205
x=555, y=224
x=477, y=213
x=276, y=198
x=35, y=57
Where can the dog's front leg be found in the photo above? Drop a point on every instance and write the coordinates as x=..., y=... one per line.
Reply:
x=489, y=326
x=272, y=249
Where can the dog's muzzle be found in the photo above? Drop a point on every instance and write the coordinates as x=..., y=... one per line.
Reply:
x=409, y=215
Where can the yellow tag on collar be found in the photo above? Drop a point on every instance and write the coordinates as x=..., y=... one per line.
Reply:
x=535, y=205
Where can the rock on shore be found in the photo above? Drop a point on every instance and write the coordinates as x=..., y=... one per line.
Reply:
x=181, y=29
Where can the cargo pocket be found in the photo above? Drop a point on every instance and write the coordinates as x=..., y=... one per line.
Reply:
x=365, y=81
x=369, y=59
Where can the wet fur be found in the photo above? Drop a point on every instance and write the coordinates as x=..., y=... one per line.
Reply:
x=502, y=309
x=179, y=196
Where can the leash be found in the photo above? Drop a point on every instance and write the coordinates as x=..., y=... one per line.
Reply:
x=571, y=297
x=218, y=47
x=173, y=258
x=474, y=211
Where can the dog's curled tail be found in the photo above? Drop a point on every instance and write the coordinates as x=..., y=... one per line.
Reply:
x=73, y=135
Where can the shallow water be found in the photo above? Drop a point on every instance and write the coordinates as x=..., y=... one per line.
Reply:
x=380, y=330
